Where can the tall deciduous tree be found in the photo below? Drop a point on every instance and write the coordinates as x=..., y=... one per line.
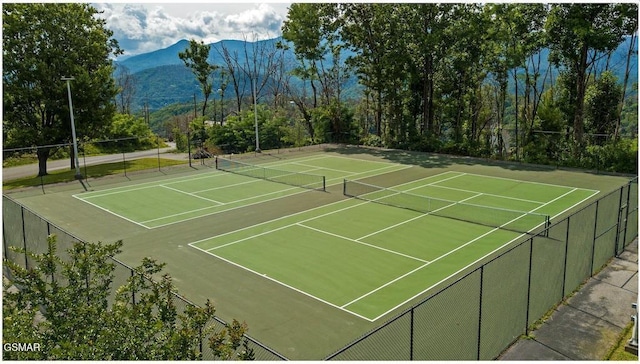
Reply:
x=126, y=89
x=575, y=31
x=365, y=30
x=196, y=58
x=41, y=43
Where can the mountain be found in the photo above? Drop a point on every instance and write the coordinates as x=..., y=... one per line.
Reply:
x=163, y=79
x=160, y=57
x=169, y=56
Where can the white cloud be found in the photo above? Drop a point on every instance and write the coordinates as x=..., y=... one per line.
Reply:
x=146, y=27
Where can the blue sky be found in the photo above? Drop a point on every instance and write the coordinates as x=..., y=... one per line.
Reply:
x=143, y=27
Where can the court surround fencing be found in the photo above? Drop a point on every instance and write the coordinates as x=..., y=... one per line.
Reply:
x=474, y=318
x=25, y=229
x=480, y=314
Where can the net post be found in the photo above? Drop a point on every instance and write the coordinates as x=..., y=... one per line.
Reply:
x=547, y=225
x=216, y=162
x=324, y=184
x=344, y=186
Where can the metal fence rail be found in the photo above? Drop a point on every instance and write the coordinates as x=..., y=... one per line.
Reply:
x=482, y=313
x=25, y=229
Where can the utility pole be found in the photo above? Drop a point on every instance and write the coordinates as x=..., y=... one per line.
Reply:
x=73, y=128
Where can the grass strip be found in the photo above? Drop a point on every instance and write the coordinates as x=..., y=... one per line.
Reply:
x=93, y=171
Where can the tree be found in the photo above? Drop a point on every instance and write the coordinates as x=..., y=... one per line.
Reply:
x=631, y=27
x=575, y=32
x=365, y=30
x=126, y=89
x=82, y=317
x=518, y=35
x=601, y=106
x=195, y=57
x=42, y=43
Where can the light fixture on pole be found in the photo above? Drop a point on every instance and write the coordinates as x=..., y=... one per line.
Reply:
x=73, y=128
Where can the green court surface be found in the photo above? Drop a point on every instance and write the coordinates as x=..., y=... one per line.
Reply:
x=171, y=201
x=311, y=270
x=367, y=258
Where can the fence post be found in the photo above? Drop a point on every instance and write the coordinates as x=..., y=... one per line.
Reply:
x=411, y=336
x=626, y=219
x=124, y=163
x=480, y=311
x=566, y=257
x=53, y=277
x=158, y=144
x=133, y=288
x=84, y=161
x=617, y=251
x=526, y=324
x=595, y=234
x=24, y=239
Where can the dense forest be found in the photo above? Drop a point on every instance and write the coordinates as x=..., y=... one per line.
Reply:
x=539, y=83
x=527, y=82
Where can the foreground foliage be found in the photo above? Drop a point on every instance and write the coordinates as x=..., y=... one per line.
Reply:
x=72, y=310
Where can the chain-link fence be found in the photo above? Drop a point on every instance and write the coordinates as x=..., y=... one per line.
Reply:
x=107, y=162
x=23, y=228
x=474, y=318
x=482, y=313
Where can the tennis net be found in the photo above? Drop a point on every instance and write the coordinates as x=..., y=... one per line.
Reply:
x=310, y=181
x=513, y=220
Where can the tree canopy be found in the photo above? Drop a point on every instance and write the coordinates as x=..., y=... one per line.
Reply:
x=41, y=43
x=73, y=310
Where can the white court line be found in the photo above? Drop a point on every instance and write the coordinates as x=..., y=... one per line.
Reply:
x=362, y=243
x=489, y=194
x=223, y=187
x=292, y=224
x=111, y=212
x=427, y=262
x=536, y=183
x=281, y=283
x=151, y=184
x=227, y=203
x=194, y=244
x=298, y=160
x=474, y=262
x=328, y=169
x=375, y=170
x=250, y=198
x=191, y=194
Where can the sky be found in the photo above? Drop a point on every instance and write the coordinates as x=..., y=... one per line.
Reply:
x=143, y=27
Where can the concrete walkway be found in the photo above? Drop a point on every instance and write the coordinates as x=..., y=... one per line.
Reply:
x=589, y=324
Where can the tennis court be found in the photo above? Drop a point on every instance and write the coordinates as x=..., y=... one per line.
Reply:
x=310, y=270
x=162, y=203
x=371, y=254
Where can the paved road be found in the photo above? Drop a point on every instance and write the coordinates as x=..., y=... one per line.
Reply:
x=28, y=170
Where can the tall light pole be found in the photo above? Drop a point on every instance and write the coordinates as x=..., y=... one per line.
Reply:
x=255, y=112
x=73, y=128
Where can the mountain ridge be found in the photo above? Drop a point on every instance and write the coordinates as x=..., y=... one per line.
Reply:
x=162, y=78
